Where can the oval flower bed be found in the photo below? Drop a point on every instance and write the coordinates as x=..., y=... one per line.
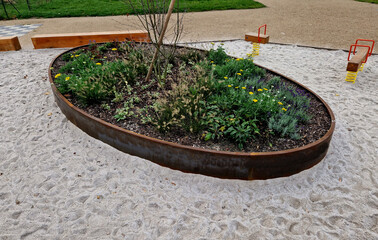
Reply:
x=201, y=112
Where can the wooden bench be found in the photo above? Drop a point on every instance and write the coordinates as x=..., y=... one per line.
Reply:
x=355, y=62
x=77, y=39
x=9, y=43
x=253, y=37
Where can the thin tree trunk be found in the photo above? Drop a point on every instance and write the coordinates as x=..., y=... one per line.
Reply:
x=161, y=38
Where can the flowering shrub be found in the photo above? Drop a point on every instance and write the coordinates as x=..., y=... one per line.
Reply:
x=213, y=96
x=236, y=103
x=92, y=78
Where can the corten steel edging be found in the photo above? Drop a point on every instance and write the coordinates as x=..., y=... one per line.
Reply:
x=233, y=165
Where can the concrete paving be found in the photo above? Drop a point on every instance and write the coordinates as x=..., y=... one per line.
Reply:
x=323, y=23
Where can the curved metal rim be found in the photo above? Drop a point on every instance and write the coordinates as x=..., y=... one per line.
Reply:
x=176, y=145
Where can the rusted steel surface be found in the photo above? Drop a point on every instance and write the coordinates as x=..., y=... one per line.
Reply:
x=232, y=165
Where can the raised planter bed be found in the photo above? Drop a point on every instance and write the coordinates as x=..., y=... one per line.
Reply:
x=222, y=164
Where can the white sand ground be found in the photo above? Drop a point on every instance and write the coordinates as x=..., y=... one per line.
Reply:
x=56, y=182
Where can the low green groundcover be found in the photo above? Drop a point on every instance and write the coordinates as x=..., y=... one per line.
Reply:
x=369, y=1
x=82, y=8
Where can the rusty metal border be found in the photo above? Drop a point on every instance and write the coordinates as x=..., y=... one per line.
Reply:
x=221, y=164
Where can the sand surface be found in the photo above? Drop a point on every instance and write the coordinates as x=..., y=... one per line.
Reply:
x=56, y=182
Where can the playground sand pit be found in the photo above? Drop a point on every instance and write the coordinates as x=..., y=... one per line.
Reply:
x=57, y=182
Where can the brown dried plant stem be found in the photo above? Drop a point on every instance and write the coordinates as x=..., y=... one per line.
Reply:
x=169, y=13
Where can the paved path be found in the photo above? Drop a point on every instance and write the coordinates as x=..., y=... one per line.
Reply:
x=322, y=23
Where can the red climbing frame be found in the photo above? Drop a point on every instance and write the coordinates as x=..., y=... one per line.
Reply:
x=354, y=51
x=258, y=36
x=366, y=40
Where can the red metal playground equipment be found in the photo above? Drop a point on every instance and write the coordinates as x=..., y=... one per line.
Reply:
x=256, y=39
x=357, y=62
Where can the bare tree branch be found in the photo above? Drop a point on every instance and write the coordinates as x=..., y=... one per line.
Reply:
x=154, y=18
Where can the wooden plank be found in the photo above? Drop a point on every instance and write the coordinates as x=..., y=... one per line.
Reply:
x=357, y=59
x=77, y=39
x=9, y=43
x=253, y=37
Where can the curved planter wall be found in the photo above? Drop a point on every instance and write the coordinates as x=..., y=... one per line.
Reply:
x=248, y=166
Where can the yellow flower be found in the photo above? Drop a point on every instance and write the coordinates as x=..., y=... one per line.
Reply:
x=58, y=75
x=260, y=90
x=244, y=88
x=92, y=58
x=229, y=86
x=226, y=78
x=77, y=55
x=231, y=119
x=255, y=100
x=72, y=56
x=67, y=78
x=251, y=93
x=212, y=43
x=265, y=89
x=236, y=87
x=284, y=109
x=241, y=70
x=212, y=62
x=239, y=74
x=99, y=64
x=280, y=103
x=238, y=59
x=114, y=49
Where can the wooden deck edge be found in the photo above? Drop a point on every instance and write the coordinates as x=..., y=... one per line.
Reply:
x=9, y=43
x=78, y=39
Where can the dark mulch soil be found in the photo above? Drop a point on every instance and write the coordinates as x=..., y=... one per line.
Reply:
x=310, y=132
